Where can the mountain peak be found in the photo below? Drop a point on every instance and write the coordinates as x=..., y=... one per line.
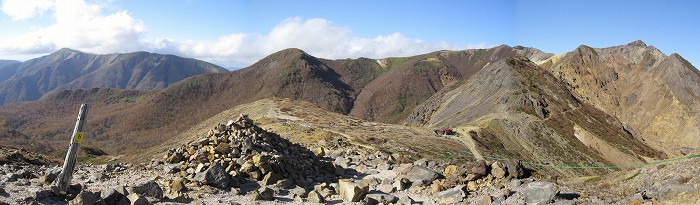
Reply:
x=637, y=43
x=66, y=50
x=292, y=51
x=675, y=57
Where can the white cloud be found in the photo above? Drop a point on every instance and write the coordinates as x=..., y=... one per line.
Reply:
x=25, y=9
x=318, y=37
x=80, y=26
x=84, y=26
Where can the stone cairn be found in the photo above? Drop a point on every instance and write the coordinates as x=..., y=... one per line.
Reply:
x=240, y=150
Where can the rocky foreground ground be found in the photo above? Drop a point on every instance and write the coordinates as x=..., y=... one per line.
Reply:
x=241, y=163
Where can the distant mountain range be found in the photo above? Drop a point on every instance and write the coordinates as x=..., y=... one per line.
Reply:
x=70, y=69
x=7, y=62
x=594, y=106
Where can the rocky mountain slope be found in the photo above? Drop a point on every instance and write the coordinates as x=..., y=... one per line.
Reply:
x=7, y=69
x=412, y=80
x=70, y=69
x=513, y=105
x=655, y=97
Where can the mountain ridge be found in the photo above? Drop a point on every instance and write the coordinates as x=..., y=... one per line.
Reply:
x=638, y=84
x=69, y=69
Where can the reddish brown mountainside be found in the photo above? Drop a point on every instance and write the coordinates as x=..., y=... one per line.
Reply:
x=656, y=97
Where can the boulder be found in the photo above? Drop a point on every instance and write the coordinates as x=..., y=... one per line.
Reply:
x=421, y=176
x=176, y=157
x=50, y=176
x=401, y=184
x=405, y=200
x=450, y=170
x=215, y=176
x=670, y=190
x=75, y=189
x=271, y=178
x=298, y=191
x=265, y=194
x=386, y=188
x=135, y=199
x=383, y=167
x=383, y=198
x=688, y=150
x=515, y=169
x=540, y=192
x=223, y=148
x=485, y=200
x=149, y=189
x=320, y=152
x=114, y=195
x=451, y=196
x=497, y=170
x=472, y=186
x=315, y=197
x=177, y=186
x=85, y=198
x=42, y=194
x=352, y=191
x=478, y=168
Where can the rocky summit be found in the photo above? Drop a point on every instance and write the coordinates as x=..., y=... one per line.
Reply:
x=240, y=150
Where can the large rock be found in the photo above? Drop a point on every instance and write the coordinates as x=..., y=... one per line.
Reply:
x=176, y=157
x=478, y=168
x=497, y=170
x=421, y=176
x=688, y=150
x=223, y=148
x=85, y=198
x=515, y=169
x=401, y=184
x=451, y=196
x=265, y=194
x=315, y=197
x=670, y=190
x=383, y=198
x=42, y=194
x=405, y=200
x=215, y=176
x=320, y=152
x=50, y=176
x=450, y=170
x=177, y=186
x=540, y=192
x=352, y=191
x=114, y=195
x=271, y=178
x=135, y=199
x=149, y=189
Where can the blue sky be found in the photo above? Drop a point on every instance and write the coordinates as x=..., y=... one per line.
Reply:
x=238, y=33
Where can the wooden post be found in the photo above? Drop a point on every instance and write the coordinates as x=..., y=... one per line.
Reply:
x=63, y=180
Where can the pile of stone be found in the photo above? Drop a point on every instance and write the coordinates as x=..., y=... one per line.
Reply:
x=447, y=184
x=239, y=150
